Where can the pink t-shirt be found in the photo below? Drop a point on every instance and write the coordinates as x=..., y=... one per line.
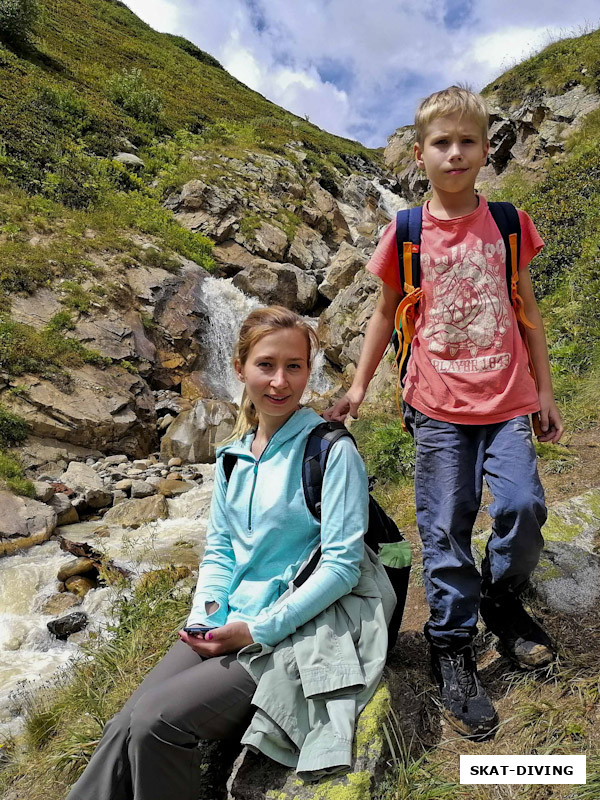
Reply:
x=468, y=360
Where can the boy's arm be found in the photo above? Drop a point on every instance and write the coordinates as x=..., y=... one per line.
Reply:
x=377, y=337
x=550, y=419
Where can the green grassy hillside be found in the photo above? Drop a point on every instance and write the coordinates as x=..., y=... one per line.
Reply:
x=95, y=72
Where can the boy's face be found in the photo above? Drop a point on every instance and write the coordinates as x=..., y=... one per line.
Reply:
x=452, y=153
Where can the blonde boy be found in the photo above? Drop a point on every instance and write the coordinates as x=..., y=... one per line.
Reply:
x=467, y=395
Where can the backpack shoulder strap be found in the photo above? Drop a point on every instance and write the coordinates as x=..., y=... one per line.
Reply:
x=229, y=462
x=408, y=244
x=506, y=218
x=316, y=453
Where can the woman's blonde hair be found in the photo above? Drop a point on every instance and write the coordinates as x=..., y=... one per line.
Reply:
x=257, y=324
x=450, y=101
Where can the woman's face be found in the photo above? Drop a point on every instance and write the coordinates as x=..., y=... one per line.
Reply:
x=276, y=373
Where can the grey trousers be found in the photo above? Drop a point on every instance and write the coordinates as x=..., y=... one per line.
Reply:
x=149, y=750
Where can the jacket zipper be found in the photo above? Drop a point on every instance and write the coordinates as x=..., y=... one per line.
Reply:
x=252, y=495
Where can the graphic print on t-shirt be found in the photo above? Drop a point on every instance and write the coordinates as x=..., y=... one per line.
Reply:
x=470, y=311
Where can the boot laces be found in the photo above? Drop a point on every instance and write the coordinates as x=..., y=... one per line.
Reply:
x=463, y=674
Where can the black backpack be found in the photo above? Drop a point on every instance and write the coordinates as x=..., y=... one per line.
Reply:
x=381, y=530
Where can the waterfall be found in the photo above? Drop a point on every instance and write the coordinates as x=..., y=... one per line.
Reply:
x=228, y=307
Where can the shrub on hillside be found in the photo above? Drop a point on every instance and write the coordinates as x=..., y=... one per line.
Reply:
x=17, y=20
x=13, y=429
x=129, y=90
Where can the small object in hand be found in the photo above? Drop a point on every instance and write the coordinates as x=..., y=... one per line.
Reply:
x=537, y=425
x=196, y=630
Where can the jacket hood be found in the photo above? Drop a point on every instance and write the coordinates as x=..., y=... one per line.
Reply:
x=304, y=419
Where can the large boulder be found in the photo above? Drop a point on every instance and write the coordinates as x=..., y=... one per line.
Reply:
x=208, y=209
x=342, y=325
x=195, y=434
x=394, y=714
x=328, y=207
x=86, y=482
x=100, y=409
x=347, y=262
x=25, y=521
x=267, y=241
x=285, y=284
x=133, y=513
x=308, y=250
x=567, y=577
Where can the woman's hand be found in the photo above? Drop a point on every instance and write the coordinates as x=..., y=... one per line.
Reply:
x=227, y=639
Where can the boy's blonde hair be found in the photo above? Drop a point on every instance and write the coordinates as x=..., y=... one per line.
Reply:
x=450, y=101
x=257, y=324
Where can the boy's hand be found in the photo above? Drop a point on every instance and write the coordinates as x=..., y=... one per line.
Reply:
x=227, y=639
x=346, y=406
x=550, y=421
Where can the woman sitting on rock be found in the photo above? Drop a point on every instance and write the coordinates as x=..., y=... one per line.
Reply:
x=292, y=666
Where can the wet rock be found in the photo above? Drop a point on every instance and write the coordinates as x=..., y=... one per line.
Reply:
x=80, y=585
x=133, y=513
x=286, y=284
x=63, y=628
x=194, y=434
x=173, y=488
x=77, y=566
x=59, y=603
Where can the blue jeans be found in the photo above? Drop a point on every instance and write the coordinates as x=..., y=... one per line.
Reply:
x=451, y=462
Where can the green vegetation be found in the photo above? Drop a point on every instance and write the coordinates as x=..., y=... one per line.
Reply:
x=565, y=206
x=46, y=353
x=556, y=67
x=65, y=724
x=13, y=431
x=18, y=20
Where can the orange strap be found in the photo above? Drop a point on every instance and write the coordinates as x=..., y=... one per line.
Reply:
x=517, y=302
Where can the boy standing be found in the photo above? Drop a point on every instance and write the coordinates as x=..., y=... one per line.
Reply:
x=467, y=393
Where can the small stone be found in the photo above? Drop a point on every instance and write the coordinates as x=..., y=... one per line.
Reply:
x=122, y=459
x=174, y=476
x=102, y=532
x=119, y=496
x=123, y=485
x=133, y=473
x=174, y=462
x=61, y=587
x=80, y=585
x=141, y=464
x=43, y=491
x=142, y=489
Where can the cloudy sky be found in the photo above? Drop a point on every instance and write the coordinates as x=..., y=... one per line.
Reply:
x=358, y=68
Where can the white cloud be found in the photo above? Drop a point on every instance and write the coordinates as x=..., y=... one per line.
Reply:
x=162, y=15
x=358, y=69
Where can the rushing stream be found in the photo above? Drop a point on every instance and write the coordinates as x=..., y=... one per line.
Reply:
x=29, y=654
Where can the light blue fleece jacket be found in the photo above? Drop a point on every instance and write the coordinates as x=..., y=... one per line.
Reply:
x=260, y=532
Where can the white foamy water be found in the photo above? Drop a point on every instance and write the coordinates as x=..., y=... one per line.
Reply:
x=29, y=654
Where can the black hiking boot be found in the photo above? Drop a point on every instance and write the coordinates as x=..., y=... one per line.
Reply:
x=466, y=705
x=520, y=637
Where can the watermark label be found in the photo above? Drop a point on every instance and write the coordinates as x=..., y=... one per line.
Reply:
x=522, y=769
